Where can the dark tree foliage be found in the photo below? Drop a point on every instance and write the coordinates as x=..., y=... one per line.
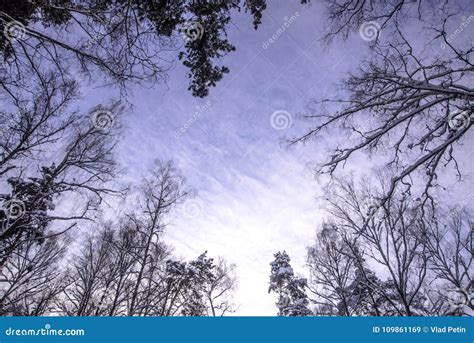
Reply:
x=29, y=201
x=127, y=39
x=81, y=166
x=291, y=290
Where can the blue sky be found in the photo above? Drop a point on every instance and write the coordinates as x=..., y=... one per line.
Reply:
x=255, y=195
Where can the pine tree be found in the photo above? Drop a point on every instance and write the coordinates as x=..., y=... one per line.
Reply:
x=292, y=298
x=23, y=213
x=199, y=272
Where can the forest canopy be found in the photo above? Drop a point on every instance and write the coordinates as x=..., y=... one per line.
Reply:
x=81, y=235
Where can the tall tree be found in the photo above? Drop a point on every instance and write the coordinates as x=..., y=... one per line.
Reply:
x=291, y=290
x=409, y=105
x=102, y=281
x=449, y=237
x=89, y=279
x=29, y=282
x=389, y=234
x=219, y=290
x=332, y=271
x=159, y=195
x=130, y=271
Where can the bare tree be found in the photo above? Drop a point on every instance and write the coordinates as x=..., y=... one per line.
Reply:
x=89, y=278
x=49, y=155
x=345, y=16
x=220, y=288
x=332, y=271
x=410, y=104
x=122, y=273
x=390, y=259
x=103, y=278
x=124, y=257
x=34, y=121
x=412, y=109
x=448, y=238
x=160, y=193
x=130, y=271
x=389, y=238
x=30, y=282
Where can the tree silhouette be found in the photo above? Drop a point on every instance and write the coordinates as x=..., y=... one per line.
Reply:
x=291, y=290
x=410, y=103
x=127, y=40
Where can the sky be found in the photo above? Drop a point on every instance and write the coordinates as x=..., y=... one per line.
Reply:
x=256, y=195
